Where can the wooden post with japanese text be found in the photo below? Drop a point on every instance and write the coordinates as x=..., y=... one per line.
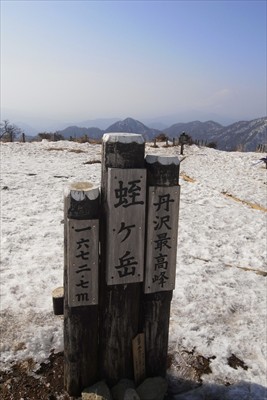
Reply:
x=123, y=201
x=160, y=268
x=81, y=250
x=119, y=266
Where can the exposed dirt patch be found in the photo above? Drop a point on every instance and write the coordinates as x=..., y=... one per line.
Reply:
x=196, y=363
x=185, y=369
x=45, y=384
x=235, y=362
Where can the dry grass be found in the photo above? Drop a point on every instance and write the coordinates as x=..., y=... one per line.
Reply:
x=68, y=150
x=187, y=178
x=93, y=162
x=55, y=149
x=258, y=272
x=247, y=203
x=76, y=151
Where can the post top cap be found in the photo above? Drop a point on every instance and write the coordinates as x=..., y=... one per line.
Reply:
x=163, y=160
x=81, y=186
x=123, y=137
x=79, y=190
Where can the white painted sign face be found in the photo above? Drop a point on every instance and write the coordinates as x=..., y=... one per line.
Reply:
x=162, y=228
x=126, y=202
x=82, y=262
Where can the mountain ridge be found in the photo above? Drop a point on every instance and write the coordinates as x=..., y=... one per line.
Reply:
x=242, y=134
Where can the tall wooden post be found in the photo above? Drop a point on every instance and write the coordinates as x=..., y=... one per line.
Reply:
x=81, y=248
x=160, y=268
x=122, y=251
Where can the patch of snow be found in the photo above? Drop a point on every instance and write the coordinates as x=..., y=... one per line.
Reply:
x=219, y=305
x=123, y=137
x=163, y=160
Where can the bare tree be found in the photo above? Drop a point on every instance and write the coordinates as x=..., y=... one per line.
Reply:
x=8, y=131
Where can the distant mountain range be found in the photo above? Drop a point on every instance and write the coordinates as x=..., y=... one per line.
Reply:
x=131, y=125
x=245, y=135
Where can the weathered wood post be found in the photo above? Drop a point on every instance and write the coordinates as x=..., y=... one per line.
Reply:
x=123, y=190
x=81, y=249
x=160, y=268
x=58, y=300
x=182, y=141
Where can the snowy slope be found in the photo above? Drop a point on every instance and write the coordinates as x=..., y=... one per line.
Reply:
x=243, y=134
x=220, y=302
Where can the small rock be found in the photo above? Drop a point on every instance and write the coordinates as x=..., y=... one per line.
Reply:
x=131, y=394
x=99, y=391
x=118, y=391
x=153, y=389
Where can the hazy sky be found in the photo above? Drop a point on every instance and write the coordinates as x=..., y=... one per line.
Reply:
x=77, y=60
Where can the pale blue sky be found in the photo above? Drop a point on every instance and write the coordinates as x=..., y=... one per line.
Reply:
x=78, y=60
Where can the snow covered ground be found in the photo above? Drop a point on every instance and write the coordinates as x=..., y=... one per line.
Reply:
x=219, y=305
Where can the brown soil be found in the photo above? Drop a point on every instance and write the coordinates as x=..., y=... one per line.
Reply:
x=235, y=362
x=45, y=384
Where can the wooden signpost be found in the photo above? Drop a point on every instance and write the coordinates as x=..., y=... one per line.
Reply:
x=119, y=304
x=82, y=262
x=161, y=245
x=120, y=268
x=82, y=201
x=125, y=241
x=162, y=217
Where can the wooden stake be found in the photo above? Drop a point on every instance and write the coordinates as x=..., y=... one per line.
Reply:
x=80, y=322
x=163, y=175
x=58, y=300
x=119, y=303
